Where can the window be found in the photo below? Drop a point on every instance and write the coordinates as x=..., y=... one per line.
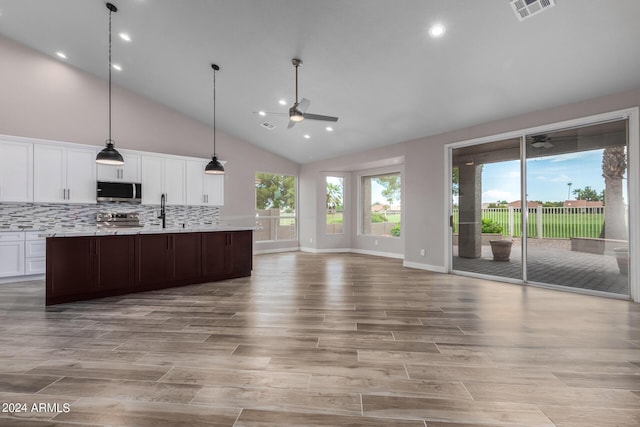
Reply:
x=275, y=207
x=335, y=205
x=381, y=209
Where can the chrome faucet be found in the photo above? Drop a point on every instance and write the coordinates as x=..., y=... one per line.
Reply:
x=163, y=213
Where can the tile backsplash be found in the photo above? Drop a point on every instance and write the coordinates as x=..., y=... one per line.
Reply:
x=41, y=216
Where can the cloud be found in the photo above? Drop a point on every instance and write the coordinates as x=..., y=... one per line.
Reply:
x=557, y=178
x=495, y=195
x=574, y=156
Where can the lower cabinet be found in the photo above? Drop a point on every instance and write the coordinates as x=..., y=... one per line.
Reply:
x=114, y=263
x=167, y=260
x=227, y=254
x=82, y=268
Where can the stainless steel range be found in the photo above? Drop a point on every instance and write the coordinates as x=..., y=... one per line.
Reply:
x=118, y=220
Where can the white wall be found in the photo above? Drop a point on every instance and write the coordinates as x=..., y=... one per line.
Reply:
x=425, y=220
x=45, y=98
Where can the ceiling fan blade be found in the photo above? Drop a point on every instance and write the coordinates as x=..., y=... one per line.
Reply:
x=303, y=105
x=291, y=123
x=320, y=117
x=269, y=113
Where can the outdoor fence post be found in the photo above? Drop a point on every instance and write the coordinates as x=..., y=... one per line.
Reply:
x=510, y=221
x=539, y=221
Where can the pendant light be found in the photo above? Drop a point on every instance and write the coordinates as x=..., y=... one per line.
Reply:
x=214, y=167
x=109, y=155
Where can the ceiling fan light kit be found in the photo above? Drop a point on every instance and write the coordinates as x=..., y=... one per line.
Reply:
x=109, y=155
x=298, y=111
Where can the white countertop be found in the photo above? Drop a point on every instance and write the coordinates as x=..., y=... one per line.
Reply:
x=102, y=231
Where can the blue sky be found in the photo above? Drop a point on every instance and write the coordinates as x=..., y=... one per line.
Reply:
x=547, y=177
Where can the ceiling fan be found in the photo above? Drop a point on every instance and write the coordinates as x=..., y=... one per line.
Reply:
x=298, y=111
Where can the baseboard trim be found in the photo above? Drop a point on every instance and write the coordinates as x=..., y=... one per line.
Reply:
x=276, y=250
x=375, y=253
x=326, y=251
x=427, y=267
x=17, y=279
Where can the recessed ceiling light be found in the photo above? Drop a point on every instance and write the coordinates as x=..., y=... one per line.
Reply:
x=125, y=36
x=437, y=30
x=307, y=136
x=329, y=129
x=117, y=67
x=282, y=102
x=61, y=54
x=262, y=113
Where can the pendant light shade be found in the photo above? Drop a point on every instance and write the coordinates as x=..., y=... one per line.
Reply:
x=214, y=167
x=109, y=155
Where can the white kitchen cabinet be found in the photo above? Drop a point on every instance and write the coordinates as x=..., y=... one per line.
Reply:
x=129, y=172
x=35, y=253
x=163, y=175
x=11, y=254
x=64, y=175
x=16, y=172
x=203, y=189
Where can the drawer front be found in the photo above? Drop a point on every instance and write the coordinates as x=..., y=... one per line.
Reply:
x=35, y=266
x=36, y=248
x=33, y=235
x=12, y=236
x=11, y=259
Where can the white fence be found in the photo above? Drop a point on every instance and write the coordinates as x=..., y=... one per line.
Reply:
x=546, y=222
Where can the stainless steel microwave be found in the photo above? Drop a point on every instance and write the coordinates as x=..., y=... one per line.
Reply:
x=119, y=192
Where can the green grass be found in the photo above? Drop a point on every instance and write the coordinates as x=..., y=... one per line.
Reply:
x=554, y=225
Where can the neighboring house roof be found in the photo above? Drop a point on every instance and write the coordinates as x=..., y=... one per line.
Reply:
x=518, y=204
x=582, y=204
x=377, y=208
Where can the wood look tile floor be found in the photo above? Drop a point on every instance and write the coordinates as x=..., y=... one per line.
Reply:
x=322, y=340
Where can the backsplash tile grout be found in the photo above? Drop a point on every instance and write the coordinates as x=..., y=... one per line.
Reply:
x=40, y=216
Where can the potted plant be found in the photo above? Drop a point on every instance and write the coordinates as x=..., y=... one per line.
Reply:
x=622, y=258
x=501, y=248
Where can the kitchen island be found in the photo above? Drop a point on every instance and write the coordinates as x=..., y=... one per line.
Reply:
x=93, y=263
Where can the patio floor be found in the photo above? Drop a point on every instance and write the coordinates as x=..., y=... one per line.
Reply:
x=551, y=262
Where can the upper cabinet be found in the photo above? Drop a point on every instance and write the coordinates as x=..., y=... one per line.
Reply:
x=203, y=189
x=163, y=175
x=58, y=172
x=129, y=172
x=63, y=174
x=16, y=172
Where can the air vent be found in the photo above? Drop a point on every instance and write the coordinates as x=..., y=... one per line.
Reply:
x=527, y=8
x=267, y=126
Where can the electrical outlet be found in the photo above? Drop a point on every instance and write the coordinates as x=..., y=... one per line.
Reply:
x=375, y=242
x=422, y=252
x=310, y=239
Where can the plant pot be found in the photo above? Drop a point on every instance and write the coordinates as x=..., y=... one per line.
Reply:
x=622, y=258
x=501, y=249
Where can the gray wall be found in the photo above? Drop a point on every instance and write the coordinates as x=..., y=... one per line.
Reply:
x=44, y=98
x=424, y=181
x=47, y=99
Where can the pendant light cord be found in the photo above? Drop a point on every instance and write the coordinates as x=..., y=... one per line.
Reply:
x=110, y=140
x=214, y=111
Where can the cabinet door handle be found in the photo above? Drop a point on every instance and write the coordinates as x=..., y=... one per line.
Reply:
x=68, y=194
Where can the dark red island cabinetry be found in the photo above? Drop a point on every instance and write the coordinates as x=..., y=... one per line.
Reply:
x=82, y=268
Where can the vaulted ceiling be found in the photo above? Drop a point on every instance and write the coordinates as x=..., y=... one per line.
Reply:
x=372, y=63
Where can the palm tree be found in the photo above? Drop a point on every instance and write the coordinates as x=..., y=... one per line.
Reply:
x=334, y=195
x=614, y=166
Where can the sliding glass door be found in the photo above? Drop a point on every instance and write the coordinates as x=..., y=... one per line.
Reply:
x=578, y=235
x=569, y=229
x=486, y=217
